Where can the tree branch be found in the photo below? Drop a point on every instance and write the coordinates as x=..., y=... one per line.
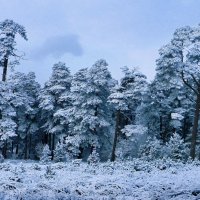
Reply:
x=195, y=80
x=186, y=83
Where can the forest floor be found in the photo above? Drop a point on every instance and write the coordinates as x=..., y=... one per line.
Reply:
x=134, y=180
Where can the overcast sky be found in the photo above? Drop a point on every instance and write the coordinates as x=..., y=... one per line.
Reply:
x=79, y=32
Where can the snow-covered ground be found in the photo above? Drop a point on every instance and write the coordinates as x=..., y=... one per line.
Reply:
x=132, y=180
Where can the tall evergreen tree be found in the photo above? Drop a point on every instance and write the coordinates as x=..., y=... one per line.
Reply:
x=90, y=114
x=52, y=101
x=7, y=116
x=25, y=91
x=166, y=98
x=126, y=98
x=186, y=40
x=8, y=31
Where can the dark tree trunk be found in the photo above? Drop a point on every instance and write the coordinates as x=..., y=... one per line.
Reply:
x=161, y=129
x=195, y=128
x=45, y=138
x=185, y=129
x=117, y=133
x=49, y=141
x=5, y=150
x=12, y=147
x=53, y=145
x=5, y=68
x=30, y=142
x=26, y=147
x=17, y=147
x=80, y=155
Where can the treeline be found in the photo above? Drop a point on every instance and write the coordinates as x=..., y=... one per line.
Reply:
x=89, y=112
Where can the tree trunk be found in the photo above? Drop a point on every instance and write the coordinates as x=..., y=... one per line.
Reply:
x=53, y=145
x=185, y=129
x=117, y=132
x=12, y=147
x=5, y=150
x=195, y=128
x=49, y=142
x=17, y=146
x=30, y=141
x=26, y=147
x=5, y=68
x=46, y=138
x=161, y=129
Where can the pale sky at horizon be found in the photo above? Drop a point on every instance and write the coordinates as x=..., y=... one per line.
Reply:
x=79, y=32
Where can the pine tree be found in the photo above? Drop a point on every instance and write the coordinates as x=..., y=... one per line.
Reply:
x=93, y=157
x=53, y=99
x=7, y=116
x=177, y=149
x=90, y=114
x=133, y=87
x=185, y=41
x=126, y=98
x=46, y=154
x=152, y=150
x=166, y=97
x=60, y=154
x=25, y=91
x=8, y=31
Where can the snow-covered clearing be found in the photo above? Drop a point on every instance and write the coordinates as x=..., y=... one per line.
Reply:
x=132, y=180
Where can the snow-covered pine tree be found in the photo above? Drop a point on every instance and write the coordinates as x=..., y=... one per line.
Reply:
x=76, y=112
x=171, y=95
x=177, y=149
x=134, y=85
x=25, y=91
x=93, y=158
x=126, y=98
x=8, y=31
x=60, y=154
x=118, y=101
x=165, y=98
x=152, y=150
x=191, y=78
x=53, y=99
x=90, y=114
x=185, y=41
x=7, y=116
x=46, y=154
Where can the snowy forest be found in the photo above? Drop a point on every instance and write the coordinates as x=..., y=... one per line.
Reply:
x=92, y=121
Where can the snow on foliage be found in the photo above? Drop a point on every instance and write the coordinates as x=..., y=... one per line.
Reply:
x=93, y=157
x=136, y=179
x=90, y=116
x=175, y=149
x=60, y=153
x=46, y=154
x=133, y=131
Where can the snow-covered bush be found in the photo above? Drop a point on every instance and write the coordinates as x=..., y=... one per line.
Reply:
x=46, y=154
x=177, y=149
x=60, y=153
x=49, y=172
x=76, y=162
x=72, y=146
x=5, y=166
x=22, y=168
x=127, y=148
x=152, y=150
x=36, y=167
x=93, y=157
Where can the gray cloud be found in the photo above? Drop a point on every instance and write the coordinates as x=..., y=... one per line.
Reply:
x=57, y=46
